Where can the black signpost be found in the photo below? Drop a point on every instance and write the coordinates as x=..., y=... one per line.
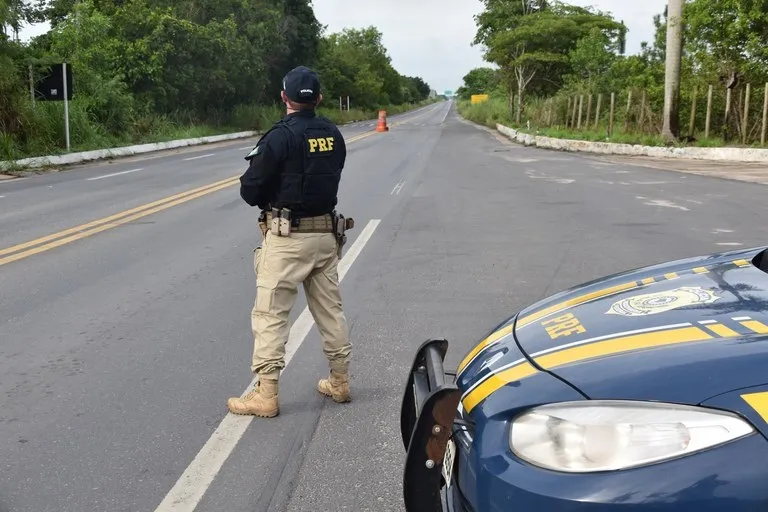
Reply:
x=56, y=85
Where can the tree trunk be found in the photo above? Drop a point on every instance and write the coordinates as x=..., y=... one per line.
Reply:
x=671, y=129
x=520, y=89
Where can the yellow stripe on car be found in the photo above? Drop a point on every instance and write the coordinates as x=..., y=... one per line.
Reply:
x=756, y=326
x=497, y=381
x=576, y=301
x=493, y=338
x=722, y=330
x=582, y=299
x=759, y=402
x=584, y=353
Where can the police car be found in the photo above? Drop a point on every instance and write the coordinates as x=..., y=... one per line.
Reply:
x=641, y=391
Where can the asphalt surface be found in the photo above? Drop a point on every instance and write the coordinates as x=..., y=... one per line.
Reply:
x=118, y=350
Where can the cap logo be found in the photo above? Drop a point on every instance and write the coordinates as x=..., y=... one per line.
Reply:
x=307, y=91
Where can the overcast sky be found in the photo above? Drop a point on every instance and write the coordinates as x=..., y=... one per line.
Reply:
x=432, y=38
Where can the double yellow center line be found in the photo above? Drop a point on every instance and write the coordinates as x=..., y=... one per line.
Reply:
x=46, y=243
x=49, y=242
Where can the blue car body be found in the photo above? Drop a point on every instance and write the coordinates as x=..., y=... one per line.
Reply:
x=692, y=332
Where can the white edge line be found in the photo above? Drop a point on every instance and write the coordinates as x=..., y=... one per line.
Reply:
x=197, y=478
x=571, y=345
x=198, y=157
x=448, y=111
x=13, y=180
x=113, y=174
x=742, y=318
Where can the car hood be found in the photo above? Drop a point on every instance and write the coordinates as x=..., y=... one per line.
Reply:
x=683, y=331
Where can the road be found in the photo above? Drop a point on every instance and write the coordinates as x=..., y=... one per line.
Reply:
x=121, y=341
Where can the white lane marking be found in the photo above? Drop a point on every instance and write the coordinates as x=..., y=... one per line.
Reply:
x=448, y=111
x=718, y=231
x=198, y=157
x=551, y=179
x=662, y=202
x=2, y=197
x=247, y=147
x=113, y=174
x=397, y=188
x=741, y=318
x=196, y=479
x=521, y=160
x=708, y=322
x=730, y=244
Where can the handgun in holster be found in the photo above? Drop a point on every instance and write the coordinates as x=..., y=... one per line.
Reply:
x=263, y=223
x=340, y=226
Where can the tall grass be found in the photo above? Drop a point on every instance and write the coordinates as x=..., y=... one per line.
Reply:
x=496, y=110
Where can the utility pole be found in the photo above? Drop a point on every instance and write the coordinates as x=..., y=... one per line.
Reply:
x=671, y=130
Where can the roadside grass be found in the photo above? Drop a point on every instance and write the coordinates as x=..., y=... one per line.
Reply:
x=45, y=121
x=496, y=110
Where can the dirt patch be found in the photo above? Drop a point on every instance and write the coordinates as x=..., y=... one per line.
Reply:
x=740, y=171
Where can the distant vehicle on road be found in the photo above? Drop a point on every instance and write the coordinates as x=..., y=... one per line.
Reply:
x=642, y=391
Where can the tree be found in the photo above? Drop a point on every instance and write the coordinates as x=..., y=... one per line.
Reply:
x=592, y=59
x=674, y=47
x=728, y=36
x=481, y=80
x=355, y=63
x=532, y=39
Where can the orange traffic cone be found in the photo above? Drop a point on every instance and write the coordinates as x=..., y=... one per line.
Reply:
x=382, y=126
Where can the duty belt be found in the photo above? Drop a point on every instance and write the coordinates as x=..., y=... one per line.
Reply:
x=319, y=224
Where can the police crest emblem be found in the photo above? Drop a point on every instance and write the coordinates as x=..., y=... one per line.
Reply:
x=661, y=302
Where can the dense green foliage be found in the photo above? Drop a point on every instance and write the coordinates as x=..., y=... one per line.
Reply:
x=158, y=69
x=578, y=53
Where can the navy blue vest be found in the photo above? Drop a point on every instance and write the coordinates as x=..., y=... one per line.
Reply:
x=309, y=181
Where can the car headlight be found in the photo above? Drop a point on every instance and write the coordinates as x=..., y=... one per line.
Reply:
x=590, y=436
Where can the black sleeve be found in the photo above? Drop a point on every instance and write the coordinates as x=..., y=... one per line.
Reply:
x=266, y=160
x=341, y=145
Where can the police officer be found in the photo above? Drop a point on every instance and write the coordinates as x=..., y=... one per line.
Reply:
x=293, y=177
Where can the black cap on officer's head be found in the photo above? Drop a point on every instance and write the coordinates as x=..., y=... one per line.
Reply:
x=302, y=85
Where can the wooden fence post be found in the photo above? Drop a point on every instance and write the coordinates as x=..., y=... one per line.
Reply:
x=745, y=121
x=692, y=126
x=613, y=104
x=581, y=106
x=765, y=116
x=597, y=113
x=709, y=113
x=575, y=109
x=629, y=105
x=589, y=112
x=728, y=95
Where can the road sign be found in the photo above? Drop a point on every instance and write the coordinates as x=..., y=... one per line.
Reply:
x=56, y=85
x=52, y=86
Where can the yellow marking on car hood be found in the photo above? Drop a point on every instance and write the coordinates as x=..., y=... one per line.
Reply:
x=759, y=402
x=493, y=338
x=582, y=353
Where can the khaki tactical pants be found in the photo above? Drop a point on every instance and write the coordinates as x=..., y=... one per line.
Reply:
x=281, y=264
